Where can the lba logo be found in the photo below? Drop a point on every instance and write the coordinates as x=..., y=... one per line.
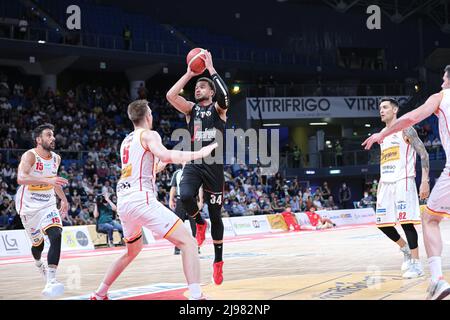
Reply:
x=10, y=244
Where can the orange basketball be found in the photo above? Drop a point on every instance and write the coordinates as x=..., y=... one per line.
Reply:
x=194, y=60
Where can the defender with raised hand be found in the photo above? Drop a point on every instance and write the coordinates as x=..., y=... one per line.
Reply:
x=438, y=205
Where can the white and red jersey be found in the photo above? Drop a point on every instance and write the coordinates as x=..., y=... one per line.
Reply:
x=138, y=166
x=398, y=159
x=34, y=197
x=443, y=113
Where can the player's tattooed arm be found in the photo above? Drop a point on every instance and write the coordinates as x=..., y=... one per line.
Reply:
x=413, y=139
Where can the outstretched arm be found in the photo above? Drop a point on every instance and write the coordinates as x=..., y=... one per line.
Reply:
x=151, y=140
x=411, y=118
x=173, y=95
x=417, y=144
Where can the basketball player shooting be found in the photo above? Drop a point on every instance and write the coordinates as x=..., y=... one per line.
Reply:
x=205, y=120
x=438, y=205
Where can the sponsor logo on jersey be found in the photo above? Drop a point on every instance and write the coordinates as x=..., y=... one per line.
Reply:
x=390, y=154
x=40, y=187
x=206, y=135
x=126, y=172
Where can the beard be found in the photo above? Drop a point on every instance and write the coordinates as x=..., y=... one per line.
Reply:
x=48, y=146
x=202, y=98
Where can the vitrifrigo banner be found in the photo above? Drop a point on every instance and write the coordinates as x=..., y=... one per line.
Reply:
x=315, y=107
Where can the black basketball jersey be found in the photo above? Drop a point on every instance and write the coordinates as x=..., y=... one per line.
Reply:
x=204, y=125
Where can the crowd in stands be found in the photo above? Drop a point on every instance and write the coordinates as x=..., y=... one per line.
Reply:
x=90, y=125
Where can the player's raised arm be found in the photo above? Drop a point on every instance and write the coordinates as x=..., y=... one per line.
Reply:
x=222, y=94
x=152, y=141
x=411, y=118
x=173, y=95
x=24, y=177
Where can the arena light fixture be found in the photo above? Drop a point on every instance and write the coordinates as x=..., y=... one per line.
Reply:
x=310, y=172
x=41, y=41
x=337, y=171
x=367, y=125
x=271, y=124
x=318, y=123
x=236, y=89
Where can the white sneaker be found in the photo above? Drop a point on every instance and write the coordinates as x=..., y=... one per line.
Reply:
x=43, y=271
x=438, y=290
x=414, y=271
x=53, y=289
x=406, y=257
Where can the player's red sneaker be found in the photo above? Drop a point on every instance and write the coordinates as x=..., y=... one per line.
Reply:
x=201, y=233
x=218, y=272
x=95, y=296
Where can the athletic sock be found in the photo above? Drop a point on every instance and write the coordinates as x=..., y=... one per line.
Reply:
x=218, y=250
x=51, y=274
x=198, y=218
x=195, y=291
x=435, y=264
x=102, y=290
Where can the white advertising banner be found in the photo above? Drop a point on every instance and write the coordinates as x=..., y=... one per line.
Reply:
x=227, y=225
x=351, y=216
x=315, y=107
x=14, y=243
x=302, y=219
x=250, y=224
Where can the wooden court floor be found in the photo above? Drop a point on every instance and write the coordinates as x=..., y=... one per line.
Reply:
x=338, y=264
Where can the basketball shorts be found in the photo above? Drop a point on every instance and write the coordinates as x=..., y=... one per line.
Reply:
x=142, y=209
x=397, y=202
x=211, y=177
x=37, y=222
x=439, y=201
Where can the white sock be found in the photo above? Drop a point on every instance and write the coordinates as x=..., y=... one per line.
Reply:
x=435, y=264
x=102, y=289
x=405, y=249
x=38, y=263
x=195, y=290
x=51, y=274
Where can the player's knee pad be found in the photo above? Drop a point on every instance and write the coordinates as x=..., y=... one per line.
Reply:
x=36, y=251
x=54, y=252
x=411, y=235
x=189, y=202
x=391, y=233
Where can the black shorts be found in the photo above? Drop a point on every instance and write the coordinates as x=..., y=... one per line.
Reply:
x=210, y=176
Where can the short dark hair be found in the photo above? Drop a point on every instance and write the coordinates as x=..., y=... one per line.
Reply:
x=137, y=110
x=39, y=129
x=210, y=83
x=447, y=69
x=391, y=100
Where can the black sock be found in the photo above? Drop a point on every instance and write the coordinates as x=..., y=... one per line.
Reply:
x=218, y=249
x=198, y=218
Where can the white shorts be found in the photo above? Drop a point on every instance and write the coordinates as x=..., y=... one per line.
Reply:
x=397, y=202
x=439, y=201
x=37, y=222
x=142, y=209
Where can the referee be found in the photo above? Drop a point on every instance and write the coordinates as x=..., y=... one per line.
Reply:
x=176, y=205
